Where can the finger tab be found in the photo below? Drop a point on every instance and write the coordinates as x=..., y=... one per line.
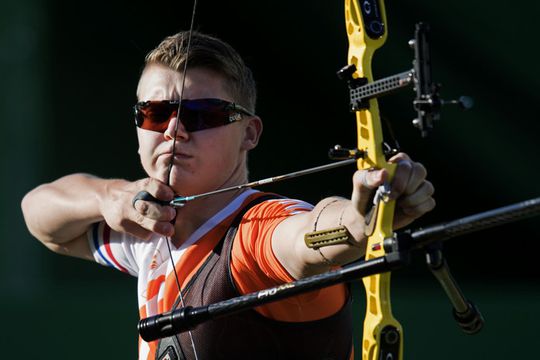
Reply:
x=146, y=196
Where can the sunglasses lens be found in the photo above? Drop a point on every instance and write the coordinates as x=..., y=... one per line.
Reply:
x=155, y=116
x=204, y=114
x=195, y=115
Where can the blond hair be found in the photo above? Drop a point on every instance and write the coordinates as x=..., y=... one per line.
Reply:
x=210, y=53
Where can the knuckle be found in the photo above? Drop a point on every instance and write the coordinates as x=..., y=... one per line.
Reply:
x=153, y=184
x=160, y=227
x=367, y=180
x=154, y=226
x=145, y=182
x=357, y=177
x=420, y=169
x=432, y=204
x=398, y=186
x=170, y=213
x=139, y=218
x=399, y=157
x=360, y=180
x=163, y=192
x=405, y=165
x=429, y=188
x=143, y=208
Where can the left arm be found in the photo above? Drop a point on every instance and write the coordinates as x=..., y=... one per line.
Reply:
x=413, y=194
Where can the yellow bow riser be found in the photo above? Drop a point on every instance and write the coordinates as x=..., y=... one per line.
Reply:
x=366, y=31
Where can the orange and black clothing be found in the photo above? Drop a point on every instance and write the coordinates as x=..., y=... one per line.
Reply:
x=313, y=325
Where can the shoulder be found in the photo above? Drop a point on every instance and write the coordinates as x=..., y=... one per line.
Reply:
x=276, y=208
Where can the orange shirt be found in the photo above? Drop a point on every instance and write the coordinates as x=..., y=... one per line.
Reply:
x=254, y=265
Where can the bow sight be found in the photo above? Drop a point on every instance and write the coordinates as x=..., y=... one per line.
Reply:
x=427, y=103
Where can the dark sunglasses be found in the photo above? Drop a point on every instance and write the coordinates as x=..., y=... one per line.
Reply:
x=195, y=115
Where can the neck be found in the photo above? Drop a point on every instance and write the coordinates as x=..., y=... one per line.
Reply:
x=195, y=213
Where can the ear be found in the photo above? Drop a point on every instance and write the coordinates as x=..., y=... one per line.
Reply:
x=252, y=133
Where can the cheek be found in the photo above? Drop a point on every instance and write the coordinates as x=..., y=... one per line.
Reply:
x=225, y=148
x=147, y=144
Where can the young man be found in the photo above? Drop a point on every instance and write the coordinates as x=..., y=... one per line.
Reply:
x=103, y=220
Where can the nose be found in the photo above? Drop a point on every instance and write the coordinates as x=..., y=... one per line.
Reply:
x=181, y=132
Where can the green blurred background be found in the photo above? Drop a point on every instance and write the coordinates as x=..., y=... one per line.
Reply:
x=68, y=75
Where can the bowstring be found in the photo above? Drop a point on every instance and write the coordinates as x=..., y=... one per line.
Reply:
x=171, y=164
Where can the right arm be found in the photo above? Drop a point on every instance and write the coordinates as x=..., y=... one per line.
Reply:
x=59, y=213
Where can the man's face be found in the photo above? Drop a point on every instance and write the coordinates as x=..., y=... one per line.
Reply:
x=204, y=160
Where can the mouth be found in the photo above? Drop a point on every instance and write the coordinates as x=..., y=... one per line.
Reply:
x=177, y=155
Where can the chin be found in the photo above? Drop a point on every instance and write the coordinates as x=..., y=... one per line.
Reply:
x=182, y=184
x=158, y=174
x=190, y=186
x=181, y=188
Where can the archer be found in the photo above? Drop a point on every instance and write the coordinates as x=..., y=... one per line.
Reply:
x=196, y=124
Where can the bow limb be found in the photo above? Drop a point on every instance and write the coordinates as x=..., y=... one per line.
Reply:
x=366, y=31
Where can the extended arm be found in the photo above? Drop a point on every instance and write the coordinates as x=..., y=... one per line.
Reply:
x=414, y=198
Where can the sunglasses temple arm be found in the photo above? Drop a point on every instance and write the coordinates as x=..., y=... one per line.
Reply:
x=182, y=200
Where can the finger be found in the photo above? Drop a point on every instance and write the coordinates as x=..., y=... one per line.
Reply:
x=364, y=183
x=399, y=157
x=401, y=178
x=137, y=231
x=157, y=189
x=155, y=211
x=145, y=195
x=405, y=216
x=417, y=177
x=424, y=191
x=144, y=224
x=165, y=229
x=418, y=210
x=152, y=201
x=408, y=177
